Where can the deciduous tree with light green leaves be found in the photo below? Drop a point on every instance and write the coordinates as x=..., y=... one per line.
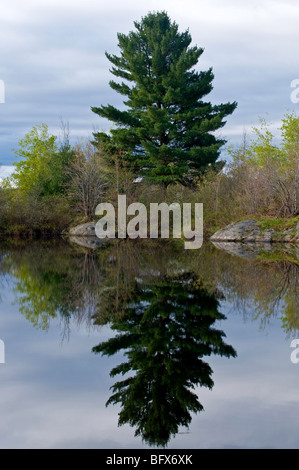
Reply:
x=167, y=130
x=34, y=150
x=273, y=166
x=41, y=163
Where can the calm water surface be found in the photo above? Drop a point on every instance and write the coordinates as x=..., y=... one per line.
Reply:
x=138, y=345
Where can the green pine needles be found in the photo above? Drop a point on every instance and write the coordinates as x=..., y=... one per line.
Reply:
x=166, y=130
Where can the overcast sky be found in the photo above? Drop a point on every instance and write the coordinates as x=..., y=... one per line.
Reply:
x=54, y=67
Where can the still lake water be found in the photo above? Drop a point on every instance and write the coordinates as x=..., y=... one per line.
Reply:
x=190, y=347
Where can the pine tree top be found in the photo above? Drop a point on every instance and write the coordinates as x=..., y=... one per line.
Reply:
x=167, y=128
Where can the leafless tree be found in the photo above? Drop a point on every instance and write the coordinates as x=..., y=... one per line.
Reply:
x=87, y=180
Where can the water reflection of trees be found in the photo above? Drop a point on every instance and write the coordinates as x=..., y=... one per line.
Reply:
x=166, y=330
x=163, y=312
x=163, y=303
x=262, y=289
x=52, y=280
x=56, y=279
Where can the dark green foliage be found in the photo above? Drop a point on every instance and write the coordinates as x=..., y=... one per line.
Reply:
x=166, y=331
x=167, y=128
x=59, y=166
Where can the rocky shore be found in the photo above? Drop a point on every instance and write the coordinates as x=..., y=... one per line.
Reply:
x=245, y=238
x=252, y=231
x=85, y=235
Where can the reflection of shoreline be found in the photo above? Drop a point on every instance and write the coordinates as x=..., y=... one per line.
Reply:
x=262, y=283
x=258, y=249
x=163, y=303
x=61, y=279
x=87, y=242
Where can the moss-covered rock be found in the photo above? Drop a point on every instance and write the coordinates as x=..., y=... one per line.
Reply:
x=264, y=230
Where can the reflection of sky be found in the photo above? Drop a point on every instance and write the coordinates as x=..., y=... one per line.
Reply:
x=255, y=398
x=53, y=392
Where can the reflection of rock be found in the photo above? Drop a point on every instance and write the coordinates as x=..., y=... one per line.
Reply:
x=250, y=250
x=85, y=235
x=86, y=230
x=254, y=250
x=88, y=242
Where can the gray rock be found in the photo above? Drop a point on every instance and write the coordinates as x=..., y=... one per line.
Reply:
x=84, y=230
x=85, y=235
x=243, y=231
x=266, y=236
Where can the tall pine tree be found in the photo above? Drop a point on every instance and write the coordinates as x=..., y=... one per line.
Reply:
x=167, y=129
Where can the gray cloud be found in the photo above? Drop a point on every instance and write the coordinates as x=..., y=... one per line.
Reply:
x=53, y=60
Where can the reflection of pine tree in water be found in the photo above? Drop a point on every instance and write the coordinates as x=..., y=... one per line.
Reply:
x=166, y=331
